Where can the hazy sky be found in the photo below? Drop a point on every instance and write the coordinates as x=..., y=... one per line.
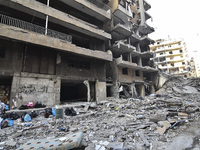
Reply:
x=178, y=19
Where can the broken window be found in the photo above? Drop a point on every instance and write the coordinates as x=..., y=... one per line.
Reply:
x=79, y=64
x=133, y=14
x=137, y=73
x=2, y=51
x=123, y=3
x=39, y=61
x=125, y=71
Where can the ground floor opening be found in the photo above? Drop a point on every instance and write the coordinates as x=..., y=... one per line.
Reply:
x=76, y=91
x=5, y=89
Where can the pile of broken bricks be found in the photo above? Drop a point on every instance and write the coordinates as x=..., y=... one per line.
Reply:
x=113, y=124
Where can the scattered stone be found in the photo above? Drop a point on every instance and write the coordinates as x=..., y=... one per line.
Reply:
x=162, y=130
x=165, y=124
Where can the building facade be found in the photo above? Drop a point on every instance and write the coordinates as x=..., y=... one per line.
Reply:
x=53, y=51
x=171, y=56
x=74, y=50
x=131, y=74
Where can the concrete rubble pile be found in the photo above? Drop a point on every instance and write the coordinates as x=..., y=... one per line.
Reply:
x=154, y=122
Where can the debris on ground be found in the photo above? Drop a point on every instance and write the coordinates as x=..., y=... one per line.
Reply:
x=153, y=122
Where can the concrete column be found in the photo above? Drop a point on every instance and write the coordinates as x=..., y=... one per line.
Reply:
x=115, y=90
x=15, y=91
x=57, y=90
x=139, y=61
x=152, y=89
x=142, y=91
x=47, y=18
x=100, y=91
x=134, y=92
x=142, y=11
x=130, y=57
x=87, y=84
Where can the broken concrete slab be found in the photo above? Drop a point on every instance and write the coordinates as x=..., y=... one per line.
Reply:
x=158, y=117
x=164, y=124
x=162, y=130
x=189, y=89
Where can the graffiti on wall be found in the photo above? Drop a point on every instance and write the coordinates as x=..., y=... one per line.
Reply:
x=32, y=89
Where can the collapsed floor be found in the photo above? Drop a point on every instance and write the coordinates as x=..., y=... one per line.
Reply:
x=168, y=119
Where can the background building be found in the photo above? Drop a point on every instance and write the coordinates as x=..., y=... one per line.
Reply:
x=171, y=56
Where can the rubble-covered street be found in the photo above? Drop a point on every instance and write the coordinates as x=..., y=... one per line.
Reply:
x=160, y=121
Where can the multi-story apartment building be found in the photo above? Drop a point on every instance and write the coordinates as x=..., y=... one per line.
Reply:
x=53, y=51
x=171, y=56
x=60, y=51
x=131, y=73
x=197, y=62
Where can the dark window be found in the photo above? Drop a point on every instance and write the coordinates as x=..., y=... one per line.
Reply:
x=137, y=73
x=122, y=3
x=181, y=51
x=183, y=63
x=39, y=61
x=2, y=51
x=170, y=52
x=133, y=15
x=125, y=71
x=79, y=64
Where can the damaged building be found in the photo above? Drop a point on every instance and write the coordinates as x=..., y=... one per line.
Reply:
x=171, y=56
x=53, y=51
x=74, y=50
x=131, y=74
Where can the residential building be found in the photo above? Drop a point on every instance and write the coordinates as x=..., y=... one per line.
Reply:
x=197, y=62
x=171, y=56
x=74, y=50
x=53, y=51
x=131, y=74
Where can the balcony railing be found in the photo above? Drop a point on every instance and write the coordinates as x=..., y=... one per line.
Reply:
x=34, y=28
x=100, y=5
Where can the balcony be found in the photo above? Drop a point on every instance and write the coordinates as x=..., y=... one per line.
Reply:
x=146, y=54
x=175, y=60
x=147, y=6
x=134, y=38
x=165, y=54
x=24, y=32
x=146, y=40
x=122, y=12
x=94, y=8
x=120, y=62
x=58, y=17
x=147, y=16
x=120, y=32
x=34, y=28
x=146, y=29
x=167, y=48
x=122, y=47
